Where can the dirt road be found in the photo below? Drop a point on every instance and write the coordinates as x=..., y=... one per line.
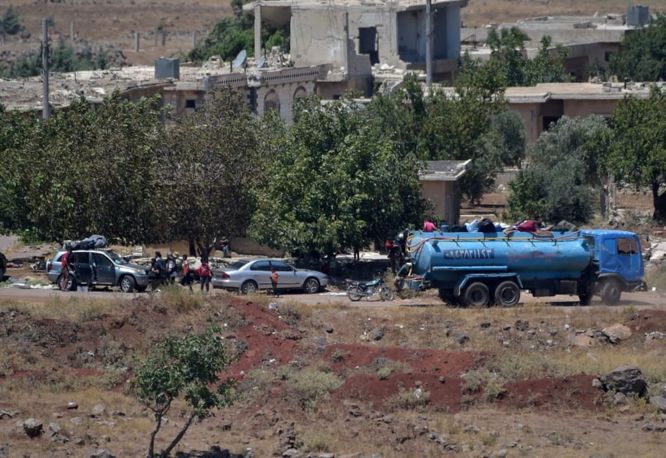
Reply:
x=641, y=300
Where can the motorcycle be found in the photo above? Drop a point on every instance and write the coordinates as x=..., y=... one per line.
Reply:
x=359, y=290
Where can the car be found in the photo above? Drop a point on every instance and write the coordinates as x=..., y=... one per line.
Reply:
x=99, y=268
x=252, y=276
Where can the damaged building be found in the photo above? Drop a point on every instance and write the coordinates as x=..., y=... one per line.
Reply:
x=352, y=38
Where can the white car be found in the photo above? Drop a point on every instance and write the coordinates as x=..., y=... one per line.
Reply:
x=251, y=276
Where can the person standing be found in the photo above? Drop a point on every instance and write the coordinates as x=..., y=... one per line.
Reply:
x=205, y=275
x=186, y=279
x=64, y=269
x=274, y=281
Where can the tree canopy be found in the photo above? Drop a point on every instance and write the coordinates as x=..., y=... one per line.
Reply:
x=337, y=180
x=508, y=59
x=208, y=168
x=561, y=167
x=637, y=155
x=642, y=56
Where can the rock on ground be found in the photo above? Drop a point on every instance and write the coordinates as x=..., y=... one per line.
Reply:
x=619, y=331
x=33, y=427
x=625, y=379
x=659, y=402
x=102, y=453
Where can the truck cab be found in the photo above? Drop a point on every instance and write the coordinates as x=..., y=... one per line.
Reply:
x=618, y=261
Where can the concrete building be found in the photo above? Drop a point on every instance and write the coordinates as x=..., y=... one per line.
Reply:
x=266, y=88
x=352, y=37
x=589, y=40
x=543, y=104
x=439, y=185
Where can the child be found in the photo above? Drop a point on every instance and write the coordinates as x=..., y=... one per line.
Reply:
x=205, y=274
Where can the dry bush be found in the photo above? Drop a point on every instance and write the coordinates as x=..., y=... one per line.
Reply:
x=408, y=399
x=310, y=385
x=179, y=299
x=319, y=442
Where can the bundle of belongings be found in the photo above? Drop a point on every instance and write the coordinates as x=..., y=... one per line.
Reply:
x=89, y=243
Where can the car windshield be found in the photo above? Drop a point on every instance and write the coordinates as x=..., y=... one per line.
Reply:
x=115, y=257
x=236, y=264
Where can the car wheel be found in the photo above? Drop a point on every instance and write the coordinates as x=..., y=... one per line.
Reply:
x=249, y=287
x=71, y=284
x=476, y=295
x=611, y=291
x=127, y=284
x=507, y=294
x=311, y=286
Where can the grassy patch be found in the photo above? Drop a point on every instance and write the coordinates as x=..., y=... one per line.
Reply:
x=309, y=386
x=180, y=299
x=319, y=442
x=409, y=399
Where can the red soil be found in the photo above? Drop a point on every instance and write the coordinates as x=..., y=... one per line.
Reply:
x=575, y=391
x=648, y=321
x=422, y=361
x=264, y=335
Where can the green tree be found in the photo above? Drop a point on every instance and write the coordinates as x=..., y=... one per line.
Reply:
x=642, y=56
x=188, y=366
x=638, y=151
x=209, y=167
x=561, y=169
x=74, y=175
x=10, y=23
x=508, y=59
x=337, y=180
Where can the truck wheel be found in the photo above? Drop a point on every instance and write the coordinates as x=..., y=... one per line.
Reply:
x=584, y=298
x=448, y=297
x=476, y=295
x=611, y=290
x=507, y=294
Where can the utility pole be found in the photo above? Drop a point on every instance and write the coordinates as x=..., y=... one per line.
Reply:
x=428, y=43
x=46, y=109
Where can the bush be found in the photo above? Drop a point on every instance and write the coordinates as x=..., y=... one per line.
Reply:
x=409, y=399
x=188, y=366
x=312, y=385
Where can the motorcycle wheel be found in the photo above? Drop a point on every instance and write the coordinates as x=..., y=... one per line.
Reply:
x=386, y=294
x=354, y=293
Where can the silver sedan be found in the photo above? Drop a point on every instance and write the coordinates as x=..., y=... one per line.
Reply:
x=253, y=276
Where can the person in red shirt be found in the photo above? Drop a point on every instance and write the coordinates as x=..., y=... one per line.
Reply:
x=274, y=281
x=186, y=279
x=64, y=269
x=205, y=274
x=429, y=226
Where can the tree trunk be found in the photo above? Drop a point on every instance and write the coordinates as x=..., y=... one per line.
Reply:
x=178, y=437
x=151, y=446
x=659, y=201
x=192, y=247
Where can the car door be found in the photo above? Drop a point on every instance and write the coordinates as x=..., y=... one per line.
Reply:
x=81, y=266
x=287, y=275
x=629, y=258
x=104, y=271
x=260, y=272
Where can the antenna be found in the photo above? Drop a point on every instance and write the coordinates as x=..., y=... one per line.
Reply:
x=261, y=62
x=240, y=59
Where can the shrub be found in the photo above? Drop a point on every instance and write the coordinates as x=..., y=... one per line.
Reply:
x=409, y=399
x=188, y=366
x=311, y=385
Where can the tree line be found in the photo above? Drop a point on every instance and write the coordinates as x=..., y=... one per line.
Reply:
x=344, y=175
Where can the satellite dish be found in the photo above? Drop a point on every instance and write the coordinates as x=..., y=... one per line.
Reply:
x=240, y=59
x=261, y=62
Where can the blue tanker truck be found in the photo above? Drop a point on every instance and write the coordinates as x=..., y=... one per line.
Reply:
x=481, y=269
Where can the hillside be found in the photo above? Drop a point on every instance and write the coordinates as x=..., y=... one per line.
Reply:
x=114, y=22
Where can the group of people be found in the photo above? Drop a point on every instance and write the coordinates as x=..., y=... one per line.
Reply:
x=167, y=272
